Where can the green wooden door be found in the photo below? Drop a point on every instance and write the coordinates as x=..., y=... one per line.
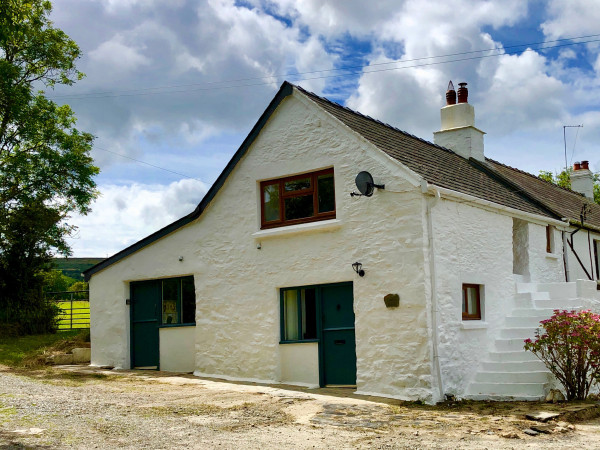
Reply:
x=338, y=340
x=145, y=314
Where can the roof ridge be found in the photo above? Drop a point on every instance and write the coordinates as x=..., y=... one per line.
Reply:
x=536, y=177
x=358, y=113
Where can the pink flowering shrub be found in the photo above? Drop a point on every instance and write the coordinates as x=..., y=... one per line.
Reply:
x=569, y=344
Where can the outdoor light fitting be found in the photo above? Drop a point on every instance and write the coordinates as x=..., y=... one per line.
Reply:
x=358, y=269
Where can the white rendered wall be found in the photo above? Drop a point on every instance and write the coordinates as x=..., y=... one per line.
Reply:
x=177, y=349
x=583, y=241
x=465, y=141
x=300, y=364
x=237, y=285
x=472, y=246
x=544, y=266
x=109, y=322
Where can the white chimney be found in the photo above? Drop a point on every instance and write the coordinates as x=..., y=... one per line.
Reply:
x=458, y=132
x=582, y=179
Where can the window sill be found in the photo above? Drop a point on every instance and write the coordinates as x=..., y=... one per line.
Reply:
x=552, y=255
x=323, y=225
x=473, y=325
x=177, y=325
x=306, y=341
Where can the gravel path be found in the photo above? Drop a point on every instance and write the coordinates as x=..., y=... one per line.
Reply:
x=88, y=408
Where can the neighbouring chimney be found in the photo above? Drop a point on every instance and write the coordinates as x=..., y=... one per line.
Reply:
x=582, y=179
x=458, y=132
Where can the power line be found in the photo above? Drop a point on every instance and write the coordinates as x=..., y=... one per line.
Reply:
x=298, y=76
x=148, y=164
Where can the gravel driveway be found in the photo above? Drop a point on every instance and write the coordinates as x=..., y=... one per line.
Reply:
x=90, y=408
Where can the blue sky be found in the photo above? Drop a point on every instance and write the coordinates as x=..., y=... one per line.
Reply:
x=179, y=84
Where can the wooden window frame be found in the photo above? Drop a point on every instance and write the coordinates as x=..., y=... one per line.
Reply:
x=179, y=303
x=283, y=195
x=299, y=314
x=477, y=314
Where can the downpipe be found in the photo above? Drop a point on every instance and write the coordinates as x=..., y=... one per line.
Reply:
x=431, y=203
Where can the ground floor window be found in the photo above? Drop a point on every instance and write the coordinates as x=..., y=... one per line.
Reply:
x=471, y=301
x=178, y=301
x=299, y=311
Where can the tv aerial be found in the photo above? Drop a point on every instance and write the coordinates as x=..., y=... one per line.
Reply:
x=365, y=185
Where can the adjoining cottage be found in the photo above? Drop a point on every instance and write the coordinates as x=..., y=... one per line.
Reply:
x=283, y=274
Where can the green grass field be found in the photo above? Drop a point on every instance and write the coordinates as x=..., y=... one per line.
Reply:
x=81, y=315
x=16, y=351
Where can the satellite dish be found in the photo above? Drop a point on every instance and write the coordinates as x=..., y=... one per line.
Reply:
x=365, y=184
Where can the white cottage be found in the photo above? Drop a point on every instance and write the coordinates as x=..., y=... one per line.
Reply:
x=423, y=289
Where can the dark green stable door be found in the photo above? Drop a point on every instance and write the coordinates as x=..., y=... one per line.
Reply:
x=339, y=343
x=145, y=313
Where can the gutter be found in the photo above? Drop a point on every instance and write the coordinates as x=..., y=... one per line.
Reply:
x=486, y=204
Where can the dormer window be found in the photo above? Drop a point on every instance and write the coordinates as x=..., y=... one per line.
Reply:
x=297, y=199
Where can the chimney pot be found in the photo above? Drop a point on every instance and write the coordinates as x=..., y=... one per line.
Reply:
x=582, y=179
x=463, y=93
x=450, y=94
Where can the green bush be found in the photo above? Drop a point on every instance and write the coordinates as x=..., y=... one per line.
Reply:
x=569, y=344
x=33, y=316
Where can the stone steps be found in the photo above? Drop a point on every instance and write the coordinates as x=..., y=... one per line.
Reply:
x=509, y=372
x=513, y=366
x=539, y=376
x=572, y=303
x=512, y=356
x=517, y=332
x=509, y=344
x=533, y=390
x=554, y=290
x=524, y=321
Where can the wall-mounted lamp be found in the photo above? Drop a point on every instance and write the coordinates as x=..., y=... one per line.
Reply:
x=358, y=269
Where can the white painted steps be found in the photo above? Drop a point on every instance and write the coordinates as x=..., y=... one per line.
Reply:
x=510, y=372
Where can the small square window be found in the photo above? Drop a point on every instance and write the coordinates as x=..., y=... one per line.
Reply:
x=471, y=301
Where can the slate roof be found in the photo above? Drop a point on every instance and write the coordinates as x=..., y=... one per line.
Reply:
x=564, y=202
x=489, y=180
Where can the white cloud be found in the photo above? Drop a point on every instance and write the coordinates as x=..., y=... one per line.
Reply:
x=125, y=214
x=114, y=56
x=571, y=18
x=187, y=44
x=522, y=95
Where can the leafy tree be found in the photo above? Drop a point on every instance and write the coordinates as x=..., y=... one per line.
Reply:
x=56, y=281
x=563, y=179
x=46, y=171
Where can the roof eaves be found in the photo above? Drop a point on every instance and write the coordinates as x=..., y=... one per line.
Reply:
x=285, y=90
